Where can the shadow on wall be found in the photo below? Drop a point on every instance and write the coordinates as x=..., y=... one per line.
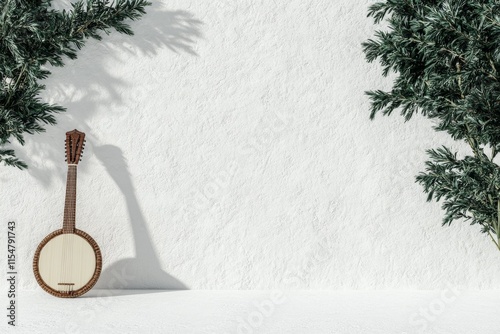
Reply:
x=145, y=268
x=86, y=85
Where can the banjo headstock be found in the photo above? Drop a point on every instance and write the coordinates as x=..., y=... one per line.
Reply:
x=75, y=142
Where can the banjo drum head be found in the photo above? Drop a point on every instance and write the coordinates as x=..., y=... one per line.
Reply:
x=67, y=264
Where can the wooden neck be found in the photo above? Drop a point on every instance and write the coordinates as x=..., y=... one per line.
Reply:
x=70, y=203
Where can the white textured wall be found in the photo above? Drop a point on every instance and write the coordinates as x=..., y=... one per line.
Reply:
x=229, y=147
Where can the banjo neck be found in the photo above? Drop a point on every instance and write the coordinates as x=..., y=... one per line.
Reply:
x=75, y=141
x=70, y=201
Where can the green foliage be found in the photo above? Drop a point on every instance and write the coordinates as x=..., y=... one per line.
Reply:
x=446, y=57
x=32, y=36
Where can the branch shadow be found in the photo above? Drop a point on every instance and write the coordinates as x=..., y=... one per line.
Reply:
x=85, y=85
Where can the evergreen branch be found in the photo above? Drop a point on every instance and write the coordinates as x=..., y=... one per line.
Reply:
x=446, y=55
x=8, y=158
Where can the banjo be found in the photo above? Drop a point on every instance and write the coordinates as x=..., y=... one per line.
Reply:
x=68, y=262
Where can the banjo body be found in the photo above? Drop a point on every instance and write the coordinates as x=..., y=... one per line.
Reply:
x=68, y=262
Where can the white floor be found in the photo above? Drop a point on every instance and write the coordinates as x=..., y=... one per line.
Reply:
x=351, y=312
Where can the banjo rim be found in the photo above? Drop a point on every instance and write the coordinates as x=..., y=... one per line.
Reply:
x=83, y=289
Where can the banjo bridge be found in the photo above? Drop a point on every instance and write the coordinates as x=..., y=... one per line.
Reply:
x=66, y=287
